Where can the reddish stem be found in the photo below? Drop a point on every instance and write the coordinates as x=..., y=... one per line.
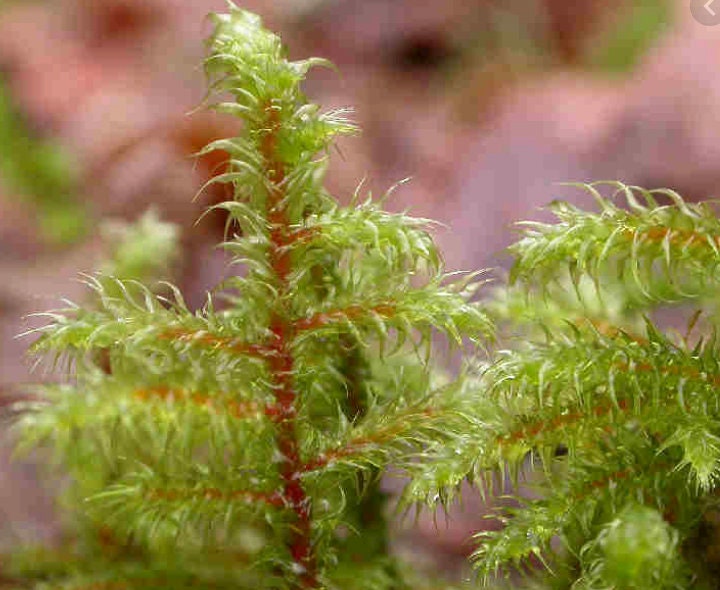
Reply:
x=681, y=237
x=359, y=444
x=210, y=340
x=542, y=426
x=620, y=475
x=352, y=312
x=281, y=363
x=243, y=409
x=689, y=372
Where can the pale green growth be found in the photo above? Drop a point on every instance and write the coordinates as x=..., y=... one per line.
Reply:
x=615, y=421
x=637, y=550
x=657, y=252
x=241, y=445
x=144, y=250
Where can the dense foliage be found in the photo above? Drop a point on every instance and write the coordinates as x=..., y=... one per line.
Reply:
x=240, y=445
x=604, y=427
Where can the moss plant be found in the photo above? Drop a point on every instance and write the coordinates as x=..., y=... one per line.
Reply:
x=603, y=425
x=240, y=445
x=144, y=250
x=39, y=171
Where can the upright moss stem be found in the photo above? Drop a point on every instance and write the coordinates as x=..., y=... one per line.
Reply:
x=282, y=362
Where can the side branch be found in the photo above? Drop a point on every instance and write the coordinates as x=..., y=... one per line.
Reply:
x=233, y=345
x=274, y=499
x=673, y=370
x=616, y=476
x=350, y=313
x=248, y=409
x=361, y=444
x=680, y=237
x=543, y=426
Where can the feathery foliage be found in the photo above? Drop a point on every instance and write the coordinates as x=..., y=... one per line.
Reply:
x=240, y=445
x=603, y=427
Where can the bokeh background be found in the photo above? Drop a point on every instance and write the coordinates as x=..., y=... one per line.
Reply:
x=485, y=104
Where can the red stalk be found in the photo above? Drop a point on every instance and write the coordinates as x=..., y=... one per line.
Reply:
x=281, y=364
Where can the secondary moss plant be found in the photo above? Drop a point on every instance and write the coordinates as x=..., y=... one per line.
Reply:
x=602, y=424
x=241, y=445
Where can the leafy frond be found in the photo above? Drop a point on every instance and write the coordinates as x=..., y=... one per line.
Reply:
x=528, y=532
x=658, y=253
x=600, y=425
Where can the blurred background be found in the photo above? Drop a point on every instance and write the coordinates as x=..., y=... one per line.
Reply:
x=485, y=104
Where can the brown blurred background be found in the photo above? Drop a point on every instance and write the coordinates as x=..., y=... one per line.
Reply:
x=486, y=104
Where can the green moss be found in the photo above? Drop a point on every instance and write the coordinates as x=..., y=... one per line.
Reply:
x=620, y=45
x=40, y=172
